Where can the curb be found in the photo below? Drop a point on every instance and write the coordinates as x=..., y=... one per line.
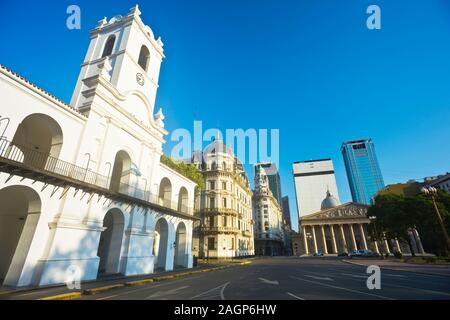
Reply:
x=401, y=270
x=93, y=291
x=65, y=296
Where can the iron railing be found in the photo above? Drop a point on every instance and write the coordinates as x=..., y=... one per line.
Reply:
x=44, y=162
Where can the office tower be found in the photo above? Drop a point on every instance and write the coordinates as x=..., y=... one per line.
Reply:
x=313, y=179
x=363, y=171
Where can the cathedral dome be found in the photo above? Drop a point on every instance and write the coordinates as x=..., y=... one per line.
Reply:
x=329, y=202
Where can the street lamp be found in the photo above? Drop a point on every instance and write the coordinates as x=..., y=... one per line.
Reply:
x=431, y=192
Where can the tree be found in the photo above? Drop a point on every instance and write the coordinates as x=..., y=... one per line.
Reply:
x=397, y=214
x=393, y=218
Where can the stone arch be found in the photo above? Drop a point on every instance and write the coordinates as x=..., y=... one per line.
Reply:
x=181, y=246
x=165, y=192
x=110, y=243
x=20, y=211
x=38, y=137
x=161, y=244
x=183, y=200
x=121, y=173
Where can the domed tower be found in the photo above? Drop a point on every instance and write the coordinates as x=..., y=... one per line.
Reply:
x=329, y=202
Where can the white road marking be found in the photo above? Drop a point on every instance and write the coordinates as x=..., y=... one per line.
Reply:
x=158, y=294
x=394, y=275
x=342, y=288
x=214, y=292
x=294, y=296
x=355, y=275
x=424, y=290
x=275, y=282
x=319, y=278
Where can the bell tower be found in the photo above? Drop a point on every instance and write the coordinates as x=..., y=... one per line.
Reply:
x=124, y=53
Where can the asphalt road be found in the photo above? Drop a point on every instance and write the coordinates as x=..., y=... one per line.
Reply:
x=289, y=278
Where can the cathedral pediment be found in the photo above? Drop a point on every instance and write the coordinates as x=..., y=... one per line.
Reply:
x=345, y=211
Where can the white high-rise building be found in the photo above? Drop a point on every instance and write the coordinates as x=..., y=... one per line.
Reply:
x=313, y=179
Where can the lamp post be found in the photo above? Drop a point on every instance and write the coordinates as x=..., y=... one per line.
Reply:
x=431, y=192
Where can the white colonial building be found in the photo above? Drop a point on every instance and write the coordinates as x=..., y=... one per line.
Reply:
x=82, y=189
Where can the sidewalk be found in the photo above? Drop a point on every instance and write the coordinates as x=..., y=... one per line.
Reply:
x=440, y=270
x=104, y=284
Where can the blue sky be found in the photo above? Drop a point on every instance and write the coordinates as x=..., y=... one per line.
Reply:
x=310, y=68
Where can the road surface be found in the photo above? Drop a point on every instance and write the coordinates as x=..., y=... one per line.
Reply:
x=289, y=278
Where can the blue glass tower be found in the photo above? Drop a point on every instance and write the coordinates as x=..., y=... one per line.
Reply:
x=363, y=171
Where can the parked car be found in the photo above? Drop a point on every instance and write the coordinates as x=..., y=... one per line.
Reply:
x=370, y=254
x=356, y=253
x=364, y=253
x=318, y=254
x=342, y=254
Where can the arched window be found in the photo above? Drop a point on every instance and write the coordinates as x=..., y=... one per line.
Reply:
x=109, y=45
x=144, y=58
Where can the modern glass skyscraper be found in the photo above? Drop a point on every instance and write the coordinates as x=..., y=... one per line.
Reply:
x=363, y=171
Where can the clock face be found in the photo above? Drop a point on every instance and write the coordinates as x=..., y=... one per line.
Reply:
x=140, y=79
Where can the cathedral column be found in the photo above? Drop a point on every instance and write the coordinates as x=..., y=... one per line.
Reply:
x=355, y=247
x=398, y=246
x=418, y=241
x=333, y=239
x=341, y=227
x=314, y=238
x=325, y=249
x=363, y=236
x=375, y=244
x=305, y=239
x=386, y=244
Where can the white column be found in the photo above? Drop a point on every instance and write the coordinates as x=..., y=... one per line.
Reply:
x=418, y=241
x=305, y=240
x=386, y=244
x=314, y=238
x=398, y=246
x=333, y=239
x=375, y=243
x=341, y=227
x=363, y=236
x=324, y=240
x=355, y=247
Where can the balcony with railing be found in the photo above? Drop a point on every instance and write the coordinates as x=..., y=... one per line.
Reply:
x=213, y=230
x=26, y=162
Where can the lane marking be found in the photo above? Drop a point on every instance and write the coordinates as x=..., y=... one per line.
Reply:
x=294, y=296
x=275, y=282
x=222, y=296
x=355, y=276
x=342, y=288
x=148, y=287
x=210, y=293
x=165, y=293
x=319, y=278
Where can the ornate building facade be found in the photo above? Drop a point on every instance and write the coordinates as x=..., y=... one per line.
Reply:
x=224, y=206
x=82, y=189
x=269, y=223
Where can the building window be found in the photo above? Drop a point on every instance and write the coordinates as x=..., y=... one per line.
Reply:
x=224, y=185
x=224, y=202
x=211, y=221
x=109, y=46
x=212, y=185
x=211, y=202
x=144, y=58
x=225, y=221
x=211, y=244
